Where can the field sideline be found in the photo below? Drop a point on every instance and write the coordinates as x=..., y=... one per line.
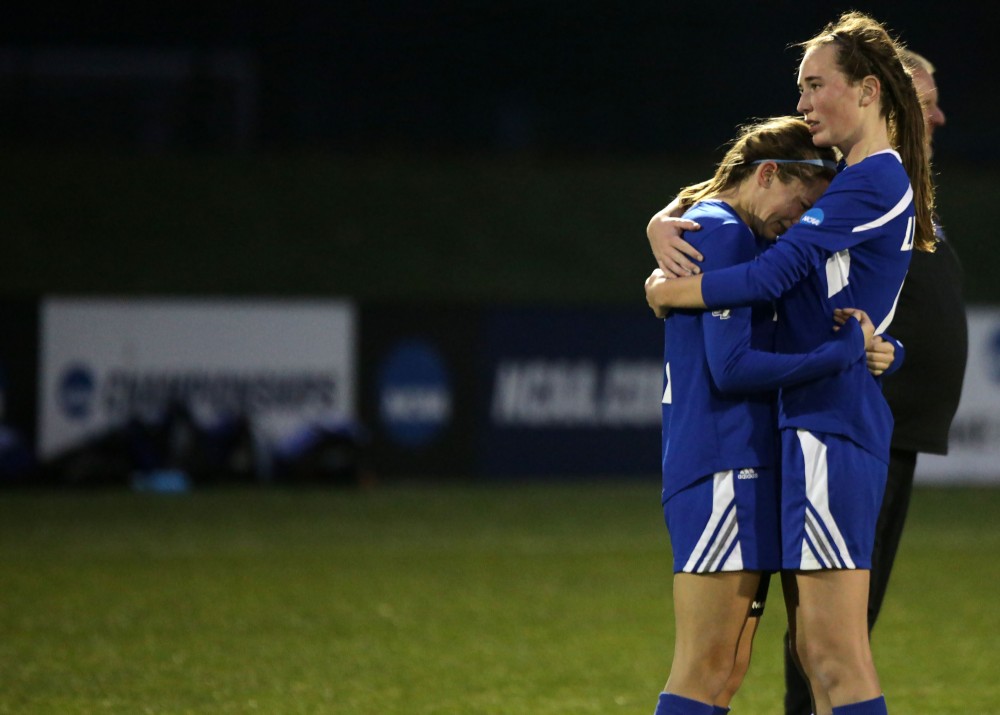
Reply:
x=517, y=600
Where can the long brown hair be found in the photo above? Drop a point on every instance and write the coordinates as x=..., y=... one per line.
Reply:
x=786, y=139
x=864, y=48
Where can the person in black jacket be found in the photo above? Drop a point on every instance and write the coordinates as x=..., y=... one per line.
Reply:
x=923, y=393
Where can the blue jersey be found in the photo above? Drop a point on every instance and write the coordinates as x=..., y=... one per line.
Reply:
x=852, y=249
x=718, y=400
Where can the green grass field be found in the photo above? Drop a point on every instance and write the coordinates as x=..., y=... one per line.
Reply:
x=526, y=600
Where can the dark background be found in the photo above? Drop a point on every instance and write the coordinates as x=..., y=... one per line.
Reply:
x=475, y=151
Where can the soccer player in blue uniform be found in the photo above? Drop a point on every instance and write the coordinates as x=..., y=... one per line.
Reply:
x=851, y=249
x=720, y=483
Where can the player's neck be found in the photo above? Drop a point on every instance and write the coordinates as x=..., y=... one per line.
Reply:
x=871, y=141
x=736, y=199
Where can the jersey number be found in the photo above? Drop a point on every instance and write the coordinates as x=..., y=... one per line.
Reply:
x=911, y=230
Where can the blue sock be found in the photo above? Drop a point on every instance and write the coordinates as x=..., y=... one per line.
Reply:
x=868, y=707
x=719, y=710
x=671, y=704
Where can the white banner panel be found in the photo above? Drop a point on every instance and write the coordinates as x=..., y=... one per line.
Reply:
x=974, y=445
x=279, y=363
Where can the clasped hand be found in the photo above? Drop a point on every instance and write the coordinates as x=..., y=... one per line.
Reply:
x=656, y=278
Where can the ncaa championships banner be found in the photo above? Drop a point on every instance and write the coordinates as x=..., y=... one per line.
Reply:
x=974, y=443
x=571, y=392
x=104, y=361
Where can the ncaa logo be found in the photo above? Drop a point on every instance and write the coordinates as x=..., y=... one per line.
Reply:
x=76, y=391
x=415, y=402
x=813, y=217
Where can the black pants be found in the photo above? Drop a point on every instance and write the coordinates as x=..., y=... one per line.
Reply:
x=889, y=530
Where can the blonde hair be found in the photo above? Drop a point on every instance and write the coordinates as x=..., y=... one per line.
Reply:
x=864, y=48
x=785, y=139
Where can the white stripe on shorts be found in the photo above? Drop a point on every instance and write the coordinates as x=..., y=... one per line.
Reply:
x=818, y=551
x=708, y=552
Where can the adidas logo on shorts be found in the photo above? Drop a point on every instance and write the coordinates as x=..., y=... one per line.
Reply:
x=747, y=474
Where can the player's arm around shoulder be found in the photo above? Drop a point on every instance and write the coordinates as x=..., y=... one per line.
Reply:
x=669, y=235
x=723, y=243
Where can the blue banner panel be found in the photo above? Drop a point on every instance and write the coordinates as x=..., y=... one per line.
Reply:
x=418, y=388
x=571, y=392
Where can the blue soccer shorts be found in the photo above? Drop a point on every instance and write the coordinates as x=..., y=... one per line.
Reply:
x=727, y=521
x=831, y=492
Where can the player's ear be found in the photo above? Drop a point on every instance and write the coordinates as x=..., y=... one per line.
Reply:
x=766, y=174
x=871, y=89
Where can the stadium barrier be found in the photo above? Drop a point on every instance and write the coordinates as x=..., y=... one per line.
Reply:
x=435, y=391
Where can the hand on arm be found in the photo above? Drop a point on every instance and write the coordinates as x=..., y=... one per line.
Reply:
x=664, y=293
x=842, y=315
x=675, y=256
x=886, y=356
x=880, y=357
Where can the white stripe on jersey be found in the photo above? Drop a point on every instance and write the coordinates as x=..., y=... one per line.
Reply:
x=818, y=497
x=708, y=552
x=838, y=272
x=884, y=325
x=893, y=213
x=668, y=391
